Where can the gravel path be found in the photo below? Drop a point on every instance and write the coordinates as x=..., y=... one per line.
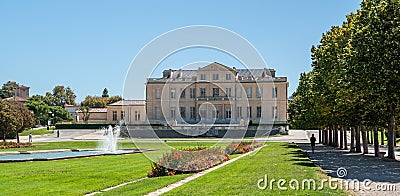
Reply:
x=384, y=173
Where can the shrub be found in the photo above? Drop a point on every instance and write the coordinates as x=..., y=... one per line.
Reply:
x=190, y=160
x=242, y=147
x=4, y=145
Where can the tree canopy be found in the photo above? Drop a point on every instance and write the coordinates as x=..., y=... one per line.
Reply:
x=355, y=73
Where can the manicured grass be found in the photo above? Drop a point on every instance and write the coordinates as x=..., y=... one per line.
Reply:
x=71, y=177
x=41, y=131
x=277, y=160
x=146, y=186
x=84, y=175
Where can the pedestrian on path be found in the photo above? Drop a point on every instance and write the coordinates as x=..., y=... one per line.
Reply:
x=313, y=140
x=58, y=133
x=30, y=137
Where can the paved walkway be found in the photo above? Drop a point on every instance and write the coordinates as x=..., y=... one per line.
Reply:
x=384, y=173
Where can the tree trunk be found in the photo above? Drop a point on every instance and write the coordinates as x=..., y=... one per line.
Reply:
x=341, y=137
x=4, y=136
x=391, y=137
x=358, y=142
x=345, y=137
x=336, y=136
x=329, y=136
x=326, y=136
x=376, y=142
x=368, y=141
x=319, y=136
x=352, y=135
x=17, y=136
x=382, y=137
x=364, y=139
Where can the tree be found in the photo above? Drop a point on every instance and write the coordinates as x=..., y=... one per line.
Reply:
x=105, y=93
x=8, y=122
x=40, y=108
x=99, y=102
x=14, y=118
x=377, y=58
x=59, y=114
x=85, y=113
x=25, y=116
x=7, y=89
x=61, y=96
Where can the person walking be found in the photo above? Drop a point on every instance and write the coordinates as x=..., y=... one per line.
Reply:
x=313, y=140
x=58, y=133
x=30, y=137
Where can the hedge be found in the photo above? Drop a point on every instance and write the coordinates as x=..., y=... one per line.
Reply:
x=83, y=126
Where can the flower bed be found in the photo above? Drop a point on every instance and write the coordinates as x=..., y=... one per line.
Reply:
x=242, y=147
x=4, y=145
x=196, y=159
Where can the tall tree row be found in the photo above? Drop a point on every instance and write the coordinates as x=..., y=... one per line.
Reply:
x=354, y=83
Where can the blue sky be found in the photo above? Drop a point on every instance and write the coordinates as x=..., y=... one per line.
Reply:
x=89, y=45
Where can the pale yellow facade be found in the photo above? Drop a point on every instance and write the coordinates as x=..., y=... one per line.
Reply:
x=129, y=111
x=217, y=93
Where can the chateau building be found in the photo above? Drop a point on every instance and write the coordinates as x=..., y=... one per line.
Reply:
x=217, y=94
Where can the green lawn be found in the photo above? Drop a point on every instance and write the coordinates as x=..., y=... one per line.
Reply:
x=84, y=175
x=41, y=131
x=277, y=160
x=71, y=177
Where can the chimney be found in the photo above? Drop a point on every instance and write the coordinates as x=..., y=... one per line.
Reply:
x=272, y=71
x=180, y=73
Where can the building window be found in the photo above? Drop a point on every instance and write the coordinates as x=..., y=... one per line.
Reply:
x=203, y=113
x=158, y=93
x=239, y=92
x=137, y=115
x=274, y=92
x=192, y=112
x=228, y=92
x=192, y=93
x=202, y=76
x=172, y=113
x=239, y=112
x=215, y=92
x=202, y=92
x=274, y=112
x=249, y=92
x=183, y=112
x=114, y=115
x=228, y=76
x=158, y=113
x=259, y=92
x=122, y=115
x=228, y=113
x=215, y=76
x=258, y=112
x=249, y=112
x=173, y=93
x=183, y=93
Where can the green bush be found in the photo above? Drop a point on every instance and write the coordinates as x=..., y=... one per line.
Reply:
x=83, y=126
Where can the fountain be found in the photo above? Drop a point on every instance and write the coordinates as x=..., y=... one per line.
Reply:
x=107, y=146
x=111, y=134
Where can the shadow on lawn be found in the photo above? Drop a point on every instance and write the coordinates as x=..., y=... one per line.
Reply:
x=358, y=166
x=298, y=156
